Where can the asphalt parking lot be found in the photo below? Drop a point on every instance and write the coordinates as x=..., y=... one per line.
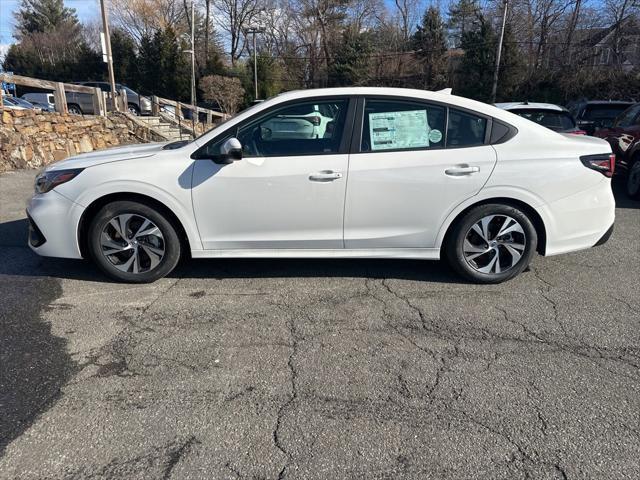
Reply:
x=319, y=369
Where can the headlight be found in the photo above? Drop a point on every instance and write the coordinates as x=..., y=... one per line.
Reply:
x=46, y=181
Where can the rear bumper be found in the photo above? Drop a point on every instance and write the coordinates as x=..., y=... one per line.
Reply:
x=580, y=221
x=605, y=238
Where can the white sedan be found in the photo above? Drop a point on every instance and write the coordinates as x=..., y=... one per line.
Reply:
x=396, y=174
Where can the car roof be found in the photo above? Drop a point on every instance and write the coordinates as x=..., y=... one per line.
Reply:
x=530, y=105
x=442, y=96
x=608, y=102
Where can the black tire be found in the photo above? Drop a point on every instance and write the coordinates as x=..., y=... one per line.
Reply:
x=633, y=180
x=167, y=240
x=74, y=109
x=455, y=243
x=133, y=109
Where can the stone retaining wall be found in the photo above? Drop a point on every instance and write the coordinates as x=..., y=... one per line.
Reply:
x=32, y=139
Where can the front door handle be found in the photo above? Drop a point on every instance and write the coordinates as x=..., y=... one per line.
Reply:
x=461, y=170
x=325, y=176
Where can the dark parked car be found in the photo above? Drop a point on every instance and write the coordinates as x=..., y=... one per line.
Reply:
x=624, y=137
x=595, y=114
x=548, y=115
x=80, y=103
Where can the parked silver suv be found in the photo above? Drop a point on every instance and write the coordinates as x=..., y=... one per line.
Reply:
x=82, y=103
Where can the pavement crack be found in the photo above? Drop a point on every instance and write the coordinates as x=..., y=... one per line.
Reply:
x=293, y=374
x=176, y=454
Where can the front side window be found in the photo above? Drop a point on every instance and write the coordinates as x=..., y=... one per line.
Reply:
x=465, y=129
x=304, y=128
x=401, y=125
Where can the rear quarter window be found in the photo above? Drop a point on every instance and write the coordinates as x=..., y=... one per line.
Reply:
x=465, y=129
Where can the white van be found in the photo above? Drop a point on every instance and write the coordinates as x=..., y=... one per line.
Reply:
x=43, y=100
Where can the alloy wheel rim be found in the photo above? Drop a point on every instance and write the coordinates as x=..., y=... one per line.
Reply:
x=494, y=244
x=132, y=243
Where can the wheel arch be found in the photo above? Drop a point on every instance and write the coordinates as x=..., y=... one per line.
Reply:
x=93, y=208
x=531, y=212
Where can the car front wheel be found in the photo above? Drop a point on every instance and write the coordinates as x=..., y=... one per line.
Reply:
x=133, y=242
x=491, y=243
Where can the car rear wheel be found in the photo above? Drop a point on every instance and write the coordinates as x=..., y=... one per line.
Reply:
x=133, y=242
x=74, y=109
x=133, y=109
x=633, y=181
x=491, y=243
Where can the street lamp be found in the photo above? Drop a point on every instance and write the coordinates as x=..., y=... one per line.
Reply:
x=255, y=31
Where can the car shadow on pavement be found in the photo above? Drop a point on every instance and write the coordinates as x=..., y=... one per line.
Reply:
x=17, y=259
x=320, y=268
x=35, y=363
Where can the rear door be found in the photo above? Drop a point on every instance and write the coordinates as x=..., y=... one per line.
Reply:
x=411, y=165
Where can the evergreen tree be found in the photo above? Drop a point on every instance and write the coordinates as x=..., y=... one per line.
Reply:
x=268, y=77
x=511, y=67
x=41, y=16
x=51, y=45
x=125, y=64
x=350, y=64
x=164, y=67
x=430, y=43
x=464, y=16
x=475, y=74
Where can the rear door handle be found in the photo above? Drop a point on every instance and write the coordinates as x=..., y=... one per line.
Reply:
x=461, y=170
x=325, y=176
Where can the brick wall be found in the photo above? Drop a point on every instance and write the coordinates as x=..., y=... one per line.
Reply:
x=32, y=139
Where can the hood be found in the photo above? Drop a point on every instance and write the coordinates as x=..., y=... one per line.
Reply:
x=116, y=154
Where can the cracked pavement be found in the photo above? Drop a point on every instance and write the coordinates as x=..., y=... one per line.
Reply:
x=306, y=369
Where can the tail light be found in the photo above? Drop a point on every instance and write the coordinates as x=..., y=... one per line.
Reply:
x=578, y=132
x=604, y=163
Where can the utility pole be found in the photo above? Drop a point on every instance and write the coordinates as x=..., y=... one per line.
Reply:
x=255, y=31
x=494, y=88
x=107, y=41
x=193, y=58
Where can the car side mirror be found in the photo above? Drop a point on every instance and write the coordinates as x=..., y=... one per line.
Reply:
x=230, y=151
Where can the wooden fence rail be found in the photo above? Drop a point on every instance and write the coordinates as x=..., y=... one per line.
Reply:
x=102, y=100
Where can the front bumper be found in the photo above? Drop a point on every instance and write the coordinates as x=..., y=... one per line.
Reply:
x=53, y=225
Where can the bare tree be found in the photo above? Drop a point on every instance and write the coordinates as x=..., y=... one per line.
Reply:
x=141, y=18
x=227, y=92
x=234, y=17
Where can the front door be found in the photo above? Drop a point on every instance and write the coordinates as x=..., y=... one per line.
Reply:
x=416, y=162
x=288, y=190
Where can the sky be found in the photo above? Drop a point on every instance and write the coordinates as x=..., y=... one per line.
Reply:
x=86, y=10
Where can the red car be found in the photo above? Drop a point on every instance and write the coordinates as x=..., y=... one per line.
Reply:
x=624, y=137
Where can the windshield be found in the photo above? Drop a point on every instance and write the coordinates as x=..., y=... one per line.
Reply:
x=604, y=112
x=252, y=107
x=558, y=121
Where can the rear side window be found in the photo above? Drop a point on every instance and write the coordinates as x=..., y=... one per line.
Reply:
x=402, y=125
x=465, y=129
x=555, y=120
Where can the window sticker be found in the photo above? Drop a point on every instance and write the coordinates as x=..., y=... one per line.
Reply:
x=392, y=130
x=435, y=136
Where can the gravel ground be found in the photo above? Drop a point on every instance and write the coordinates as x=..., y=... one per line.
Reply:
x=319, y=369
